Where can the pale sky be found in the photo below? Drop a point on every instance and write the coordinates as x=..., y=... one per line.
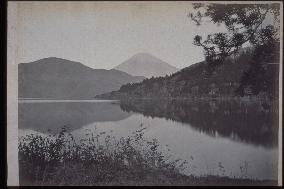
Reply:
x=101, y=35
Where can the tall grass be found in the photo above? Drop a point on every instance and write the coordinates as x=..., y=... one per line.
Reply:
x=97, y=159
x=102, y=159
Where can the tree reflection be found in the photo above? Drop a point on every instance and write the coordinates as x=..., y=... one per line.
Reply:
x=246, y=121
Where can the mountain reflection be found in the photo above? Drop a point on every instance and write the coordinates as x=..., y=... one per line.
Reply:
x=250, y=122
x=51, y=117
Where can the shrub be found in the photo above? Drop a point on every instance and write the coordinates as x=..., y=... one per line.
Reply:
x=97, y=159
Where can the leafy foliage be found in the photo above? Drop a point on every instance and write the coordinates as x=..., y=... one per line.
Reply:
x=244, y=24
x=260, y=77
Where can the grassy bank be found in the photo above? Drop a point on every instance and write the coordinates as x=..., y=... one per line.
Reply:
x=101, y=159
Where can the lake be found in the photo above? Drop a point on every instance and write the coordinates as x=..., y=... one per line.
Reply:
x=226, y=138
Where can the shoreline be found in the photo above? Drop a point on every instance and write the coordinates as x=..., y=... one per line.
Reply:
x=244, y=99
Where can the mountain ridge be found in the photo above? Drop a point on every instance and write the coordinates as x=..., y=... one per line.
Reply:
x=59, y=78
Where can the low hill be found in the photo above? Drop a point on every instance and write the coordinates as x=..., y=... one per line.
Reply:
x=58, y=78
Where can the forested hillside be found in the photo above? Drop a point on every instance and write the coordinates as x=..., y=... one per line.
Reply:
x=203, y=80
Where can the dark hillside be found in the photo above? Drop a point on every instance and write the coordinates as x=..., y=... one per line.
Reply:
x=198, y=80
x=56, y=78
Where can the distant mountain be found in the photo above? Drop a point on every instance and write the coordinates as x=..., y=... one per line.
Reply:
x=144, y=64
x=63, y=79
x=201, y=80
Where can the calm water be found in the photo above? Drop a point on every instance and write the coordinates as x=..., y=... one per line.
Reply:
x=235, y=139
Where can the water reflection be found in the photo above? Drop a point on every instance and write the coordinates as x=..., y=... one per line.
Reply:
x=184, y=127
x=52, y=116
x=250, y=122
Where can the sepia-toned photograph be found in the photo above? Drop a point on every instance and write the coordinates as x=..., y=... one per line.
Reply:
x=136, y=93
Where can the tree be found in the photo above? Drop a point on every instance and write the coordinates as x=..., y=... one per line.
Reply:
x=245, y=24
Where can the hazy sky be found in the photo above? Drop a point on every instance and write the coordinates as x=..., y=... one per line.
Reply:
x=104, y=34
